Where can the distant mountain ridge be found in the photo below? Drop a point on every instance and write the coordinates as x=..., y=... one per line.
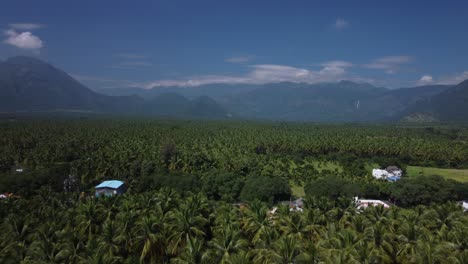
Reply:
x=342, y=101
x=449, y=105
x=29, y=84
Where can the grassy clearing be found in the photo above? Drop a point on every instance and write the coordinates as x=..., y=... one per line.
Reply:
x=454, y=174
x=370, y=166
x=325, y=165
x=297, y=190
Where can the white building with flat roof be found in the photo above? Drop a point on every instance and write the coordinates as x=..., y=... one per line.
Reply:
x=391, y=173
x=364, y=203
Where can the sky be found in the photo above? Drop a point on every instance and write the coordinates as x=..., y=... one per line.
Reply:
x=109, y=44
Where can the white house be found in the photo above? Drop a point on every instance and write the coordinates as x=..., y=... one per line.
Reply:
x=364, y=203
x=391, y=173
x=394, y=170
x=380, y=174
x=465, y=206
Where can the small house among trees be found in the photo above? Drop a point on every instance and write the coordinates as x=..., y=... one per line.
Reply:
x=391, y=173
x=110, y=188
x=364, y=203
x=464, y=204
x=19, y=169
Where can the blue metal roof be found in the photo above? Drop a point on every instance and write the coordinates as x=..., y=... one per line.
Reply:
x=393, y=179
x=110, y=184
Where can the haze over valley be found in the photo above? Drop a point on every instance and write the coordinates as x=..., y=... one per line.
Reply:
x=30, y=85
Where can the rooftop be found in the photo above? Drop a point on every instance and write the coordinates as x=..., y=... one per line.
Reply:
x=114, y=184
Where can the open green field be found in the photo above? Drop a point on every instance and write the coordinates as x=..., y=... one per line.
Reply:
x=454, y=174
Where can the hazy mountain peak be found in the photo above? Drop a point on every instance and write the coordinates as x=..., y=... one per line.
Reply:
x=29, y=84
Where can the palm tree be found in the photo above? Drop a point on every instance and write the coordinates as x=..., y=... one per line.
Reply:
x=459, y=257
x=293, y=224
x=151, y=239
x=185, y=222
x=243, y=257
x=192, y=252
x=309, y=254
x=225, y=243
x=90, y=217
x=287, y=248
x=265, y=256
x=257, y=223
x=109, y=240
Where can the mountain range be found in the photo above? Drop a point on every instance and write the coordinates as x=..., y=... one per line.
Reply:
x=31, y=85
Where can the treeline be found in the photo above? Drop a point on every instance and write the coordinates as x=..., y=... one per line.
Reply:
x=123, y=147
x=165, y=227
x=421, y=190
x=230, y=161
x=234, y=188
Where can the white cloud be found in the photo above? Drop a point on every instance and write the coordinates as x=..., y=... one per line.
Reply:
x=454, y=79
x=267, y=73
x=132, y=55
x=240, y=59
x=341, y=23
x=26, y=26
x=425, y=79
x=131, y=65
x=389, y=64
x=23, y=40
x=341, y=64
x=445, y=80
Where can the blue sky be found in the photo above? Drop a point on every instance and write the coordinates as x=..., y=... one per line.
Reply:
x=107, y=44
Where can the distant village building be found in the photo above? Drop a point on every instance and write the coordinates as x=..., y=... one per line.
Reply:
x=295, y=205
x=391, y=173
x=364, y=203
x=7, y=195
x=110, y=188
x=465, y=206
x=19, y=169
x=394, y=170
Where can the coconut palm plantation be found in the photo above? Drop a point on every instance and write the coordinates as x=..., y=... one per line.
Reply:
x=167, y=227
x=221, y=192
x=233, y=132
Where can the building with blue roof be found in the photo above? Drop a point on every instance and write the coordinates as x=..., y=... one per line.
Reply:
x=110, y=188
x=393, y=178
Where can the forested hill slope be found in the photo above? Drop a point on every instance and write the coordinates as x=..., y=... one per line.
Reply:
x=449, y=105
x=344, y=101
x=30, y=85
x=173, y=104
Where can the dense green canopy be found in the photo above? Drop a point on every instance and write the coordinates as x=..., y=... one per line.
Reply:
x=200, y=192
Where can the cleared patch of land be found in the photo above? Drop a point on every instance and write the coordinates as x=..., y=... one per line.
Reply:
x=321, y=165
x=297, y=190
x=454, y=174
